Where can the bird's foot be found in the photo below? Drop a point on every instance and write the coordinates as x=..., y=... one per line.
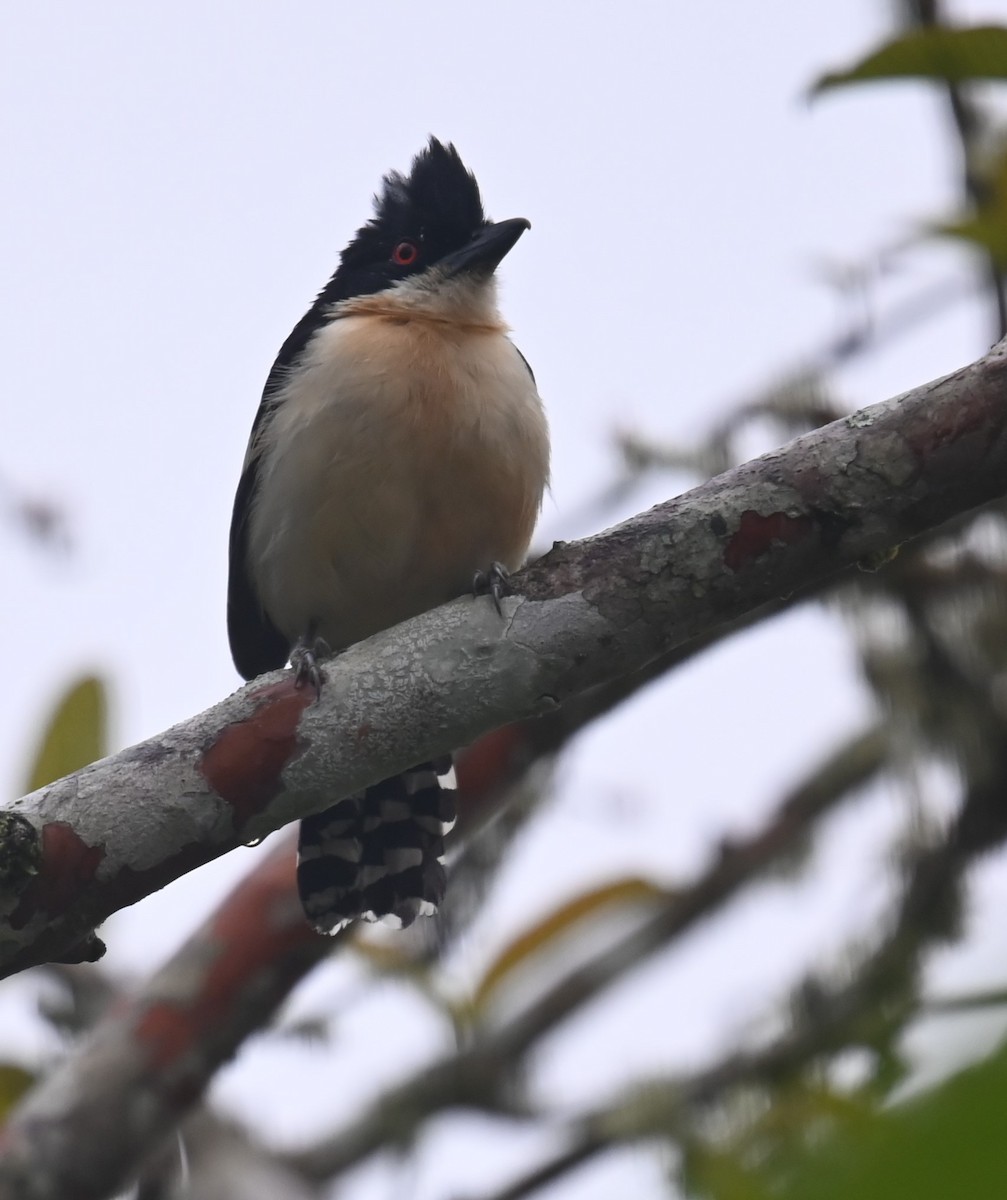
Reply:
x=495, y=582
x=305, y=658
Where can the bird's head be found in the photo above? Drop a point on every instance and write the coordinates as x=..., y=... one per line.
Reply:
x=429, y=245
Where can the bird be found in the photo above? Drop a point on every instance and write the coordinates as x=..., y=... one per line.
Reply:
x=398, y=460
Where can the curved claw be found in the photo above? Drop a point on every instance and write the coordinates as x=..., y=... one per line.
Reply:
x=305, y=658
x=495, y=582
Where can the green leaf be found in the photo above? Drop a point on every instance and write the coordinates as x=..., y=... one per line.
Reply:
x=986, y=226
x=953, y=55
x=77, y=733
x=541, y=936
x=14, y=1082
x=721, y=1175
x=946, y=1143
x=987, y=230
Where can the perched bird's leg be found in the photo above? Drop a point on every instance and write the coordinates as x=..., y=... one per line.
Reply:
x=305, y=657
x=495, y=582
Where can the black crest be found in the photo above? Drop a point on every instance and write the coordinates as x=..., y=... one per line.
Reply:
x=437, y=205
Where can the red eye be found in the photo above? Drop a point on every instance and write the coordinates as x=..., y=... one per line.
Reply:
x=405, y=254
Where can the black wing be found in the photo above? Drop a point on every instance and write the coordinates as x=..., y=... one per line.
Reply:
x=526, y=363
x=256, y=644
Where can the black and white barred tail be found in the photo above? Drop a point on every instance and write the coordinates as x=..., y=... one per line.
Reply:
x=377, y=854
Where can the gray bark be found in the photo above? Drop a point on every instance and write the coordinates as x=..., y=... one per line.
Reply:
x=586, y=613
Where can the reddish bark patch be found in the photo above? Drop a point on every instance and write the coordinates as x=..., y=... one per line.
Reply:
x=68, y=865
x=128, y=885
x=244, y=764
x=166, y=1031
x=756, y=534
x=486, y=767
x=251, y=952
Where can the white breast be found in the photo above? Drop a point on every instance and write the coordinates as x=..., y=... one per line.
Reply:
x=404, y=455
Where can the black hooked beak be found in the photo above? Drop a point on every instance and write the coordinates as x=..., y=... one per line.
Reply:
x=486, y=250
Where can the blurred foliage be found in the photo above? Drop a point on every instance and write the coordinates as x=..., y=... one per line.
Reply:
x=820, y=1144
x=986, y=226
x=14, y=1082
x=39, y=518
x=560, y=930
x=936, y=53
x=954, y=56
x=76, y=734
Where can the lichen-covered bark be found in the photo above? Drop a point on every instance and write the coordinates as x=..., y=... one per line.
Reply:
x=586, y=613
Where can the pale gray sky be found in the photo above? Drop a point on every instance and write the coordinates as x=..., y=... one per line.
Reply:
x=180, y=179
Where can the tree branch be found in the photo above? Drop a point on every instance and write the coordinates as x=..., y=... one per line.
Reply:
x=88, y=1126
x=481, y=1075
x=588, y=612
x=857, y=1011
x=867, y=1009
